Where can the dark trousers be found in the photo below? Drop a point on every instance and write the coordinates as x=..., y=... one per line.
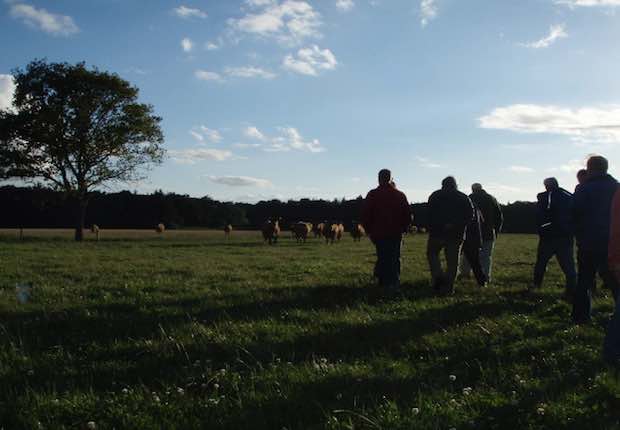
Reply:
x=472, y=255
x=611, y=346
x=443, y=280
x=591, y=262
x=387, y=269
x=562, y=248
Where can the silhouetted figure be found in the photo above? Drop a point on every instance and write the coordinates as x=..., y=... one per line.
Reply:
x=611, y=347
x=554, y=212
x=449, y=213
x=491, y=220
x=385, y=217
x=582, y=176
x=593, y=201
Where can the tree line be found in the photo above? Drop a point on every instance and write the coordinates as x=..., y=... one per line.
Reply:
x=41, y=207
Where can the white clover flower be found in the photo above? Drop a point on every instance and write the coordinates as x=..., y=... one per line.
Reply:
x=216, y=386
x=180, y=390
x=91, y=425
x=415, y=411
x=541, y=411
x=452, y=378
x=467, y=391
x=156, y=399
x=125, y=391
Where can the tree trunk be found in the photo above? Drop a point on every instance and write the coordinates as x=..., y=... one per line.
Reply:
x=81, y=216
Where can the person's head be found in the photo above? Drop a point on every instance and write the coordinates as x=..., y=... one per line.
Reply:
x=551, y=184
x=385, y=177
x=582, y=175
x=449, y=183
x=597, y=165
x=476, y=188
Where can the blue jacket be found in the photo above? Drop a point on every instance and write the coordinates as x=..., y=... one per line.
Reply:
x=593, y=212
x=555, y=213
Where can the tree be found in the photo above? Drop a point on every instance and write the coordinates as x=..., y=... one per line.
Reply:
x=77, y=129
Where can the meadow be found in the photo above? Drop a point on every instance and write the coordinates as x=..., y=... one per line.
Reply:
x=187, y=330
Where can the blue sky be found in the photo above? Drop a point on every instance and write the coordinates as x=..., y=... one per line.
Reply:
x=291, y=98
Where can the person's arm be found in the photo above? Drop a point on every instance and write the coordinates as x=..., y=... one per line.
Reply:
x=499, y=216
x=614, y=237
x=367, y=213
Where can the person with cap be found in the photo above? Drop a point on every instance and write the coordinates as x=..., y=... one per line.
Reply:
x=491, y=221
x=449, y=213
x=386, y=214
x=554, y=210
x=593, y=202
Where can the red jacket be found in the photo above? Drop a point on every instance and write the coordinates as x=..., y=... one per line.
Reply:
x=614, y=235
x=386, y=213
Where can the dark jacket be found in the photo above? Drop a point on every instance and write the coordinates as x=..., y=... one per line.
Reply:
x=492, y=216
x=592, y=212
x=449, y=213
x=473, y=235
x=554, y=213
x=386, y=213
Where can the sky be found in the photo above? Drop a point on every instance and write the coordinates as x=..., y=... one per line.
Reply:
x=286, y=99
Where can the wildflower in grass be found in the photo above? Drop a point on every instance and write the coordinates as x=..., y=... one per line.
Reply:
x=216, y=386
x=415, y=411
x=125, y=391
x=180, y=391
x=339, y=396
x=156, y=399
x=452, y=378
x=91, y=425
x=467, y=391
x=540, y=411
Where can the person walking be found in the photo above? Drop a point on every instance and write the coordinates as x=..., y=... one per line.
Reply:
x=593, y=201
x=472, y=246
x=611, y=346
x=449, y=213
x=386, y=214
x=554, y=209
x=491, y=221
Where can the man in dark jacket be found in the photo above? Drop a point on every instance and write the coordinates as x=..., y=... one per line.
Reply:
x=385, y=216
x=449, y=213
x=554, y=212
x=491, y=221
x=472, y=247
x=593, y=201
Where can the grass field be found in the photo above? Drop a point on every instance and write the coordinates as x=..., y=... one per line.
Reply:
x=187, y=330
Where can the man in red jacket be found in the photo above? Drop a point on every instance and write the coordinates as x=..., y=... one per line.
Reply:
x=385, y=216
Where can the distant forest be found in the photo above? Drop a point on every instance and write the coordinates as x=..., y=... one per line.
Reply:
x=38, y=207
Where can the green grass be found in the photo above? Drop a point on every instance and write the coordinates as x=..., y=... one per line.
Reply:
x=187, y=330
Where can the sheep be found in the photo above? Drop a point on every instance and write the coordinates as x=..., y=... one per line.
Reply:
x=160, y=228
x=227, y=230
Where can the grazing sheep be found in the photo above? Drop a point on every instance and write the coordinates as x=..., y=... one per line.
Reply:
x=227, y=230
x=160, y=228
x=357, y=232
x=271, y=231
x=302, y=230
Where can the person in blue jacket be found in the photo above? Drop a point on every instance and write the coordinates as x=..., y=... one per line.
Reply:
x=592, y=203
x=556, y=230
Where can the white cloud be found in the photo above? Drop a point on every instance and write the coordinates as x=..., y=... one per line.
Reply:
x=212, y=46
x=582, y=125
x=189, y=12
x=289, y=21
x=310, y=61
x=254, y=133
x=191, y=156
x=55, y=24
x=556, y=32
x=7, y=89
x=428, y=11
x=240, y=181
x=289, y=139
x=345, y=5
x=588, y=3
x=204, y=133
x=247, y=145
x=572, y=166
x=249, y=72
x=520, y=169
x=187, y=44
x=205, y=75
x=425, y=162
